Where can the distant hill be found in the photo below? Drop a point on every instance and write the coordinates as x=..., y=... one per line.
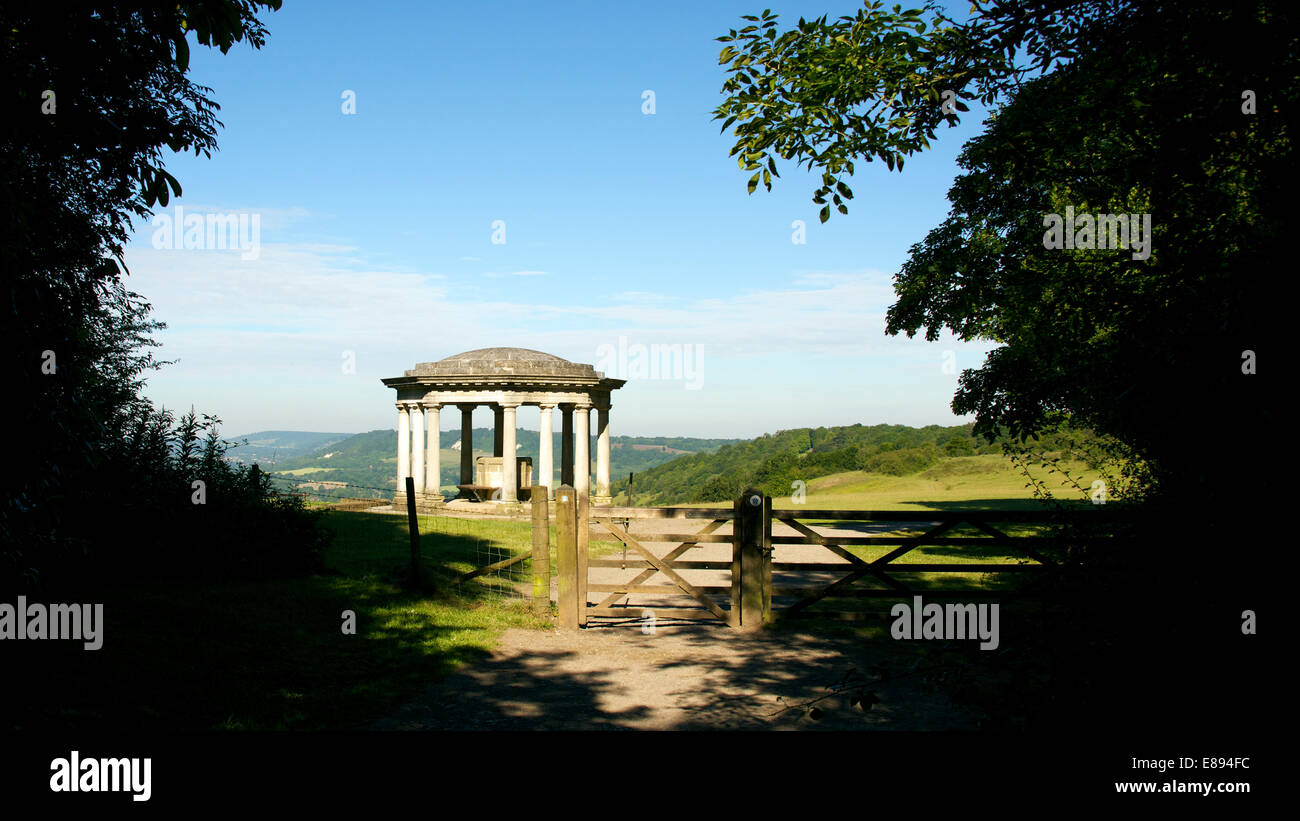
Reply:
x=271, y=447
x=368, y=461
x=773, y=462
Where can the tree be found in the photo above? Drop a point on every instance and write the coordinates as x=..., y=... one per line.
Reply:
x=93, y=96
x=1177, y=111
x=1137, y=109
x=1125, y=346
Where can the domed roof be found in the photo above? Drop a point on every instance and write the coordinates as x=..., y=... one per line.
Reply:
x=503, y=362
x=497, y=354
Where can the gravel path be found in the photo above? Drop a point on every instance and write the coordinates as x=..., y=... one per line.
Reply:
x=683, y=677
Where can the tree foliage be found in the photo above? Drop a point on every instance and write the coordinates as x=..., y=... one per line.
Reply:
x=1127, y=107
x=94, y=98
x=877, y=85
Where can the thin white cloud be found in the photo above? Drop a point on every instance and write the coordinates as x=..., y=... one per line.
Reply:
x=273, y=332
x=321, y=292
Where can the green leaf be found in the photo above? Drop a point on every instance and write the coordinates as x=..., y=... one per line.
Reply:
x=826, y=213
x=182, y=52
x=173, y=182
x=753, y=183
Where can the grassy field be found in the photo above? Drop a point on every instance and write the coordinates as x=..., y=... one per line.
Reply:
x=272, y=655
x=988, y=481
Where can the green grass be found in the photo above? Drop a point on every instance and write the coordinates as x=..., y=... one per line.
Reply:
x=271, y=654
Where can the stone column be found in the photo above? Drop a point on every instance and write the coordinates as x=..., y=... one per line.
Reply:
x=582, y=449
x=403, y=448
x=566, y=444
x=509, y=462
x=602, y=496
x=498, y=420
x=466, y=444
x=434, y=463
x=545, y=455
x=416, y=413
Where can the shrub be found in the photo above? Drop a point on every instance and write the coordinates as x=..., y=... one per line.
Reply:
x=902, y=462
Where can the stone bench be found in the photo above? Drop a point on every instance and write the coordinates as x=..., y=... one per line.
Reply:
x=485, y=493
x=477, y=493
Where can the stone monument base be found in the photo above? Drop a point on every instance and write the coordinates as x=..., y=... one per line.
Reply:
x=489, y=508
x=424, y=502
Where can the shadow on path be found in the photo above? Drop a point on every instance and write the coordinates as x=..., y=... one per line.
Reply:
x=683, y=677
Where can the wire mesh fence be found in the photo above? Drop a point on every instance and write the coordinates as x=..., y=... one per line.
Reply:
x=485, y=558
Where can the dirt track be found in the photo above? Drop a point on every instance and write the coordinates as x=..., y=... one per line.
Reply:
x=683, y=677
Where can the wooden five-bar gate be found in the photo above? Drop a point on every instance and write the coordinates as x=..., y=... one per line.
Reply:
x=750, y=598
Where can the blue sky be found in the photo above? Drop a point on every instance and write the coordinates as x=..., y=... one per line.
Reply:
x=376, y=228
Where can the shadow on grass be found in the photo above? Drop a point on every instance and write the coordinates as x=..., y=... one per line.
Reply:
x=272, y=655
x=264, y=654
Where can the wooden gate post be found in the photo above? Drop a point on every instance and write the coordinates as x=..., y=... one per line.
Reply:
x=765, y=547
x=737, y=540
x=541, y=551
x=583, y=517
x=749, y=524
x=566, y=554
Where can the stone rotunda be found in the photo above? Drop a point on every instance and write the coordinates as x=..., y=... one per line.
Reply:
x=503, y=379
